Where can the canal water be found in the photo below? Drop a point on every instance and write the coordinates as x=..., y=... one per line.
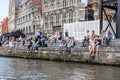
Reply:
x=22, y=69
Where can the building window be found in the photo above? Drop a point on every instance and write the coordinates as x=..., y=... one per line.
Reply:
x=23, y=19
x=70, y=2
x=29, y=29
x=70, y=17
x=63, y=18
x=64, y=3
x=33, y=14
x=33, y=28
x=57, y=19
x=23, y=30
x=26, y=30
x=57, y=4
x=46, y=18
x=78, y=1
x=26, y=18
x=51, y=18
x=29, y=17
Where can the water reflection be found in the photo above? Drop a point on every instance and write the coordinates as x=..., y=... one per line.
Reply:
x=22, y=69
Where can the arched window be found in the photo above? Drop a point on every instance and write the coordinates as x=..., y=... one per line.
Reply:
x=26, y=30
x=29, y=29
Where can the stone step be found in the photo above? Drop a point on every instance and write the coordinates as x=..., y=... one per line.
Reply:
x=102, y=49
x=85, y=49
x=115, y=43
x=114, y=47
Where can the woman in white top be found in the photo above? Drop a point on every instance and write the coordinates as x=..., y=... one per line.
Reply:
x=11, y=44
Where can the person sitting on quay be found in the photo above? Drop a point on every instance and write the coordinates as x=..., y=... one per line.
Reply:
x=69, y=45
x=91, y=47
x=38, y=43
x=102, y=37
x=55, y=37
x=108, y=38
x=51, y=39
x=31, y=45
x=85, y=41
x=43, y=41
x=62, y=45
x=6, y=41
x=93, y=35
x=12, y=43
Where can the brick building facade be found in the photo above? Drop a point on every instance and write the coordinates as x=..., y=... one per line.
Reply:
x=4, y=26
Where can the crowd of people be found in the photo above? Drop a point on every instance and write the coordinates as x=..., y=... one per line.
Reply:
x=32, y=43
x=94, y=42
x=66, y=43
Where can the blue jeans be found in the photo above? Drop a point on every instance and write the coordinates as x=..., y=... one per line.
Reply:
x=55, y=40
x=68, y=49
x=107, y=41
x=43, y=43
x=32, y=48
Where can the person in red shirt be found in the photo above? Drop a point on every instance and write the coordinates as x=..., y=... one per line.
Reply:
x=93, y=35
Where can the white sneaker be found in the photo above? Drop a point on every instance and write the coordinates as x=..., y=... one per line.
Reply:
x=35, y=50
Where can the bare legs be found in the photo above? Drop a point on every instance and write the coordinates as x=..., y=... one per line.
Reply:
x=91, y=50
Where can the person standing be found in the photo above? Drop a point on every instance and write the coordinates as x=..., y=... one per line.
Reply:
x=41, y=33
x=66, y=33
x=60, y=35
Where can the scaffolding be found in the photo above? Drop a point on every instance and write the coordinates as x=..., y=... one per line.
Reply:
x=113, y=5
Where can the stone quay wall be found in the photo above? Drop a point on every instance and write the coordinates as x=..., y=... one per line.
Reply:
x=107, y=55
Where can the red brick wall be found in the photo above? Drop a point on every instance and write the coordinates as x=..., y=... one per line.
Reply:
x=38, y=2
x=4, y=25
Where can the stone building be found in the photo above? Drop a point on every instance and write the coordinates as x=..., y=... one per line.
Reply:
x=13, y=11
x=58, y=12
x=29, y=15
x=95, y=5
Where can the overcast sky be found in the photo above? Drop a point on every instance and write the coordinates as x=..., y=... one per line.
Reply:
x=4, y=4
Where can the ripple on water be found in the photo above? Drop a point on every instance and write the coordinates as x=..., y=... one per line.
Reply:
x=22, y=69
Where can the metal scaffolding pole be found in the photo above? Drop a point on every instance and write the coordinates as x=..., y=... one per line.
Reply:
x=118, y=19
x=113, y=5
x=101, y=15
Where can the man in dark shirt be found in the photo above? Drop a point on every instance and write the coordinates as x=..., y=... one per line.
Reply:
x=97, y=44
x=60, y=35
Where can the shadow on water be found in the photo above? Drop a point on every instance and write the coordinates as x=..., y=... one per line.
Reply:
x=24, y=69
